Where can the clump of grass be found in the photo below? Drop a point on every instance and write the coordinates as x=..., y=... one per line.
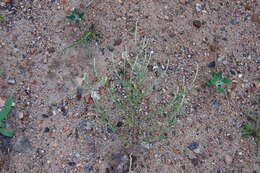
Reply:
x=252, y=128
x=3, y=115
x=83, y=39
x=129, y=92
x=76, y=15
x=217, y=80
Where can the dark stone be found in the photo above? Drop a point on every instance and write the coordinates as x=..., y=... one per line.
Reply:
x=233, y=21
x=197, y=23
x=109, y=130
x=71, y=163
x=110, y=48
x=117, y=42
x=45, y=116
x=193, y=146
x=233, y=72
x=212, y=64
x=119, y=124
x=46, y=129
x=216, y=102
x=51, y=50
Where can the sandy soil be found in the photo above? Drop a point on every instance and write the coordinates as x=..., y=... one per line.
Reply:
x=43, y=79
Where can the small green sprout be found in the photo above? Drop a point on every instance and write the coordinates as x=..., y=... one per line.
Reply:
x=84, y=38
x=251, y=127
x=217, y=80
x=76, y=15
x=2, y=18
x=3, y=115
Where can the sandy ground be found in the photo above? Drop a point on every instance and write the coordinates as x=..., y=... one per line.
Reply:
x=63, y=135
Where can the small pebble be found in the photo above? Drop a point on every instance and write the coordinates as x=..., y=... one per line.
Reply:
x=233, y=21
x=228, y=159
x=20, y=115
x=45, y=116
x=72, y=163
x=119, y=124
x=240, y=75
x=193, y=146
x=46, y=129
x=110, y=48
x=11, y=80
x=199, y=7
x=212, y=64
x=197, y=23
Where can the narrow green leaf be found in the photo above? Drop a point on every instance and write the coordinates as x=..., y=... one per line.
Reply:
x=220, y=89
x=209, y=82
x=6, y=109
x=6, y=132
x=70, y=17
x=226, y=80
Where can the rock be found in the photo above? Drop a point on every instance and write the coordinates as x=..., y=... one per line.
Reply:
x=110, y=48
x=233, y=21
x=20, y=115
x=199, y=7
x=45, y=116
x=22, y=145
x=228, y=159
x=119, y=124
x=72, y=163
x=197, y=23
x=197, y=151
x=146, y=145
x=46, y=130
x=257, y=84
x=11, y=80
x=212, y=64
x=193, y=146
x=117, y=42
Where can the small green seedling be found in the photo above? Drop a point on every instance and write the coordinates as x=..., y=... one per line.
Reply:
x=2, y=18
x=3, y=115
x=76, y=15
x=84, y=38
x=251, y=127
x=217, y=80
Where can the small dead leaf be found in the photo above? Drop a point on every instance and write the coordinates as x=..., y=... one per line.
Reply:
x=89, y=100
x=257, y=84
x=101, y=91
x=66, y=128
x=63, y=2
